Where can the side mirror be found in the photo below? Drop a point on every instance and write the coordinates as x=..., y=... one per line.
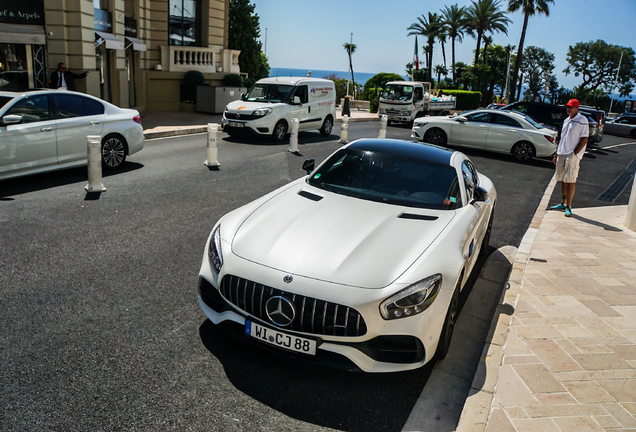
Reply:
x=296, y=100
x=242, y=96
x=481, y=194
x=309, y=165
x=11, y=119
x=462, y=119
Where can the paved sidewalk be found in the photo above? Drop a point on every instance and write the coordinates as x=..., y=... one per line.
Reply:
x=563, y=352
x=158, y=124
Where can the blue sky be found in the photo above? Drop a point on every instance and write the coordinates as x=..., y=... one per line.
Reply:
x=310, y=34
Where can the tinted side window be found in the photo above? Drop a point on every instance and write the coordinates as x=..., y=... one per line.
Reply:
x=32, y=109
x=480, y=117
x=557, y=114
x=301, y=92
x=93, y=107
x=469, y=179
x=70, y=106
x=506, y=121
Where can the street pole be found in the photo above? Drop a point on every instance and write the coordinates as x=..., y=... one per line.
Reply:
x=265, y=42
x=505, y=95
x=614, y=86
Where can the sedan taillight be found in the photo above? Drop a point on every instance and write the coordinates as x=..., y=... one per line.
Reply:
x=137, y=119
x=549, y=138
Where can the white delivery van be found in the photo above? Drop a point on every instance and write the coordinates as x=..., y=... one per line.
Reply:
x=270, y=105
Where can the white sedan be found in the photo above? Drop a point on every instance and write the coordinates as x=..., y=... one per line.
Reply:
x=357, y=265
x=46, y=130
x=498, y=131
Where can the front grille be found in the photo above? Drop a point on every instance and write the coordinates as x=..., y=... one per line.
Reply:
x=313, y=316
x=235, y=116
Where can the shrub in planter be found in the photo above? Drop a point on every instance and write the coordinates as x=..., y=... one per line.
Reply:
x=191, y=80
x=233, y=80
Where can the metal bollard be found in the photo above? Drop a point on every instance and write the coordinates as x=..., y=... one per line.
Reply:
x=344, y=130
x=293, y=141
x=630, y=217
x=213, y=131
x=383, y=122
x=94, y=164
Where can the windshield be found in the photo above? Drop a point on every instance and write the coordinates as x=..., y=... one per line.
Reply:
x=389, y=179
x=398, y=92
x=4, y=100
x=269, y=93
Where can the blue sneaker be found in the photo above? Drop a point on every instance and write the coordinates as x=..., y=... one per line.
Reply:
x=560, y=206
x=568, y=212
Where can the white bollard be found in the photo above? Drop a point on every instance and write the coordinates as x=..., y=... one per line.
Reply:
x=94, y=164
x=383, y=122
x=213, y=132
x=630, y=218
x=293, y=140
x=344, y=130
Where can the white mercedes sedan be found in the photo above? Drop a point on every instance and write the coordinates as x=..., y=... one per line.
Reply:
x=497, y=131
x=46, y=130
x=357, y=265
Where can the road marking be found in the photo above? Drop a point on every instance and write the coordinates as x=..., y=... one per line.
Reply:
x=619, y=145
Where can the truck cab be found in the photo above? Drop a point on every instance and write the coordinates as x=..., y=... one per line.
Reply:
x=405, y=101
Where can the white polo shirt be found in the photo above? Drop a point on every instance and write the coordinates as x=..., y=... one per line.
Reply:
x=573, y=130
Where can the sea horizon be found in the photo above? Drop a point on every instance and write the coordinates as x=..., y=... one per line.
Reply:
x=360, y=77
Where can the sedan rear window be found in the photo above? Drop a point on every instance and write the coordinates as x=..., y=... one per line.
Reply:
x=389, y=179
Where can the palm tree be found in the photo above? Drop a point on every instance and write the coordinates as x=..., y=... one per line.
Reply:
x=485, y=16
x=487, y=43
x=529, y=8
x=454, y=27
x=351, y=48
x=440, y=70
x=428, y=28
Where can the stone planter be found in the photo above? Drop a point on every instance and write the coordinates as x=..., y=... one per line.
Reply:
x=213, y=99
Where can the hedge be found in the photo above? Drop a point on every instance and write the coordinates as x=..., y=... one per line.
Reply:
x=465, y=100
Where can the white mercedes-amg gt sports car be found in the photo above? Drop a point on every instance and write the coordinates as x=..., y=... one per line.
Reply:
x=357, y=265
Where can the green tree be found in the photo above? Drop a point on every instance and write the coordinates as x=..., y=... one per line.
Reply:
x=485, y=16
x=597, y=62
x=379, y=80
x=537, y=66
x=351, y=48
x=429, y=27
x=529, y=8
x=454, y=26
x=243, y=33
x=439, y=71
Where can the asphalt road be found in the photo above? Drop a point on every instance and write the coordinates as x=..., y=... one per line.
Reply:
x=99, y=325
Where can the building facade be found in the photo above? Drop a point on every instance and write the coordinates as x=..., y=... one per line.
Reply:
x=136, y=51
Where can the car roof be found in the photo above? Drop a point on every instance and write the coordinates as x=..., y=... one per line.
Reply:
x=293, y=80
x=410, y=149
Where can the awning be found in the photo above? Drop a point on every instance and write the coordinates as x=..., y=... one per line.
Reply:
x=110, y=41
x=22, y=34
x=137, y=45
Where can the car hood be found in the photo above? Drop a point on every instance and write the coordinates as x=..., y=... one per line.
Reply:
x=335, y=238
x=245, y=107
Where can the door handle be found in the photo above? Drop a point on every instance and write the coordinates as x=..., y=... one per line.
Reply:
x=46, y=129
x=95, y=122
x=512, y=130
x=483, y=126
x=309, y=109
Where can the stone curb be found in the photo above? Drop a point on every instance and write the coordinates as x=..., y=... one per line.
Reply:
x=476, y=412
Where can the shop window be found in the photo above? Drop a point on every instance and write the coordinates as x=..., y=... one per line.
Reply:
x=13, y=67
x=184, y=22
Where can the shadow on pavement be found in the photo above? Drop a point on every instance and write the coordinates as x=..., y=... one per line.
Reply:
x=304, y=137
x=596, y=223
x=347, y=401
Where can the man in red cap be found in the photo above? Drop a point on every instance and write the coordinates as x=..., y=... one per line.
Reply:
x=574, y=135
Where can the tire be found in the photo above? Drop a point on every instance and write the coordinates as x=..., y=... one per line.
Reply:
x=114, y=152
x=523, y=151
x=435, y=136
x=449, y=325
x=327, y=126
x=280, y=131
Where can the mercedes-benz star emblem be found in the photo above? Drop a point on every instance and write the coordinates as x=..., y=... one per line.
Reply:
x=288, y=279
x=238, y=115
x=280, y=311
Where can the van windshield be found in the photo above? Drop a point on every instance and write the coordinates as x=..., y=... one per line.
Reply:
x=397, y=92
x=269, y=93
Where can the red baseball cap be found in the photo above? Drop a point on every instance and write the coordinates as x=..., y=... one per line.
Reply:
x=573, y=103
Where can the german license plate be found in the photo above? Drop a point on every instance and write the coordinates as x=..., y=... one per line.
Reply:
x=237, y=124
x=280, y=339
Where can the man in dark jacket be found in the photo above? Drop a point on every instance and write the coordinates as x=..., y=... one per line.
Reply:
x=64, y=79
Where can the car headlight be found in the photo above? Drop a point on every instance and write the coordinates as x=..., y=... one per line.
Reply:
x=419, y=123
x=262, y=112
x=406, y=113
x=215, y=254
x=412, y=300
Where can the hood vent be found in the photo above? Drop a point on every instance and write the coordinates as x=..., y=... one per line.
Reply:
x=309, y=195
x=417, y=217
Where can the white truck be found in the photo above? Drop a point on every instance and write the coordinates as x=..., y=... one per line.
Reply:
x=405, y=101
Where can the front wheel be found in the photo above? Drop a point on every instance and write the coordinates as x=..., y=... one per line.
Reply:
x=280, y=131
x=435, y=136
x=449, y=325
x=327, y=127
x=113, y=152
x=523, y=151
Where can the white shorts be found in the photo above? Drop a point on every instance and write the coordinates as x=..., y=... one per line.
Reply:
x=567, y=168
